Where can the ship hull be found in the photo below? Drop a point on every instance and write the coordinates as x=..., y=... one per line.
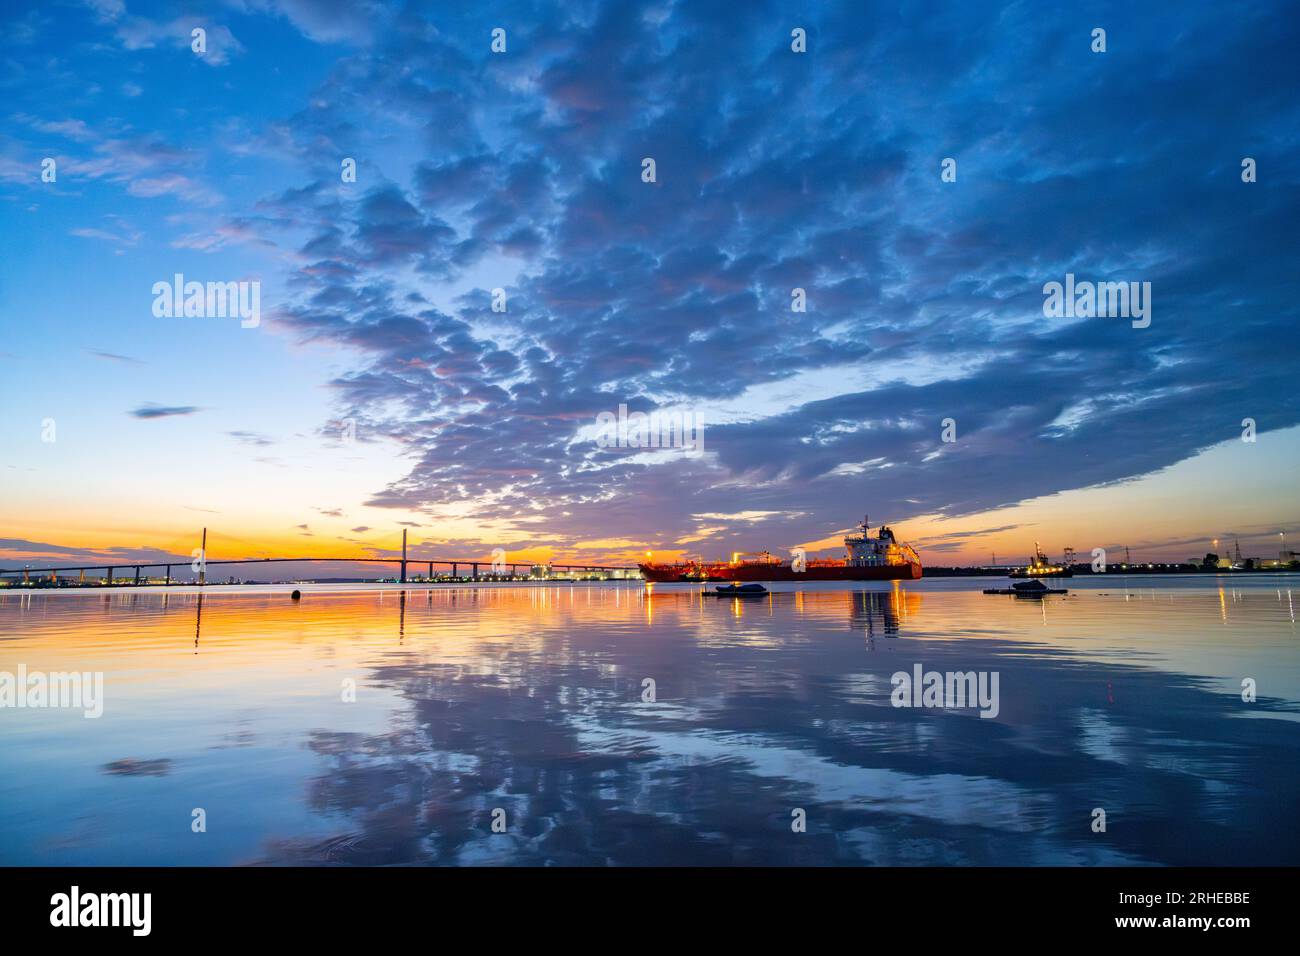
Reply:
x=670, y=573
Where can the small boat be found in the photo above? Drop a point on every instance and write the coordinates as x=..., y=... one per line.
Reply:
x=1027, y=589
x=1040, y=567
x=737, y=590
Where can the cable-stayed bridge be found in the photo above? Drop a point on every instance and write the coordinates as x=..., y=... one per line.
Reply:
x=498, y=568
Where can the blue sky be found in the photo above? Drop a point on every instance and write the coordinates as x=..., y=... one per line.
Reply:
x=522, y=170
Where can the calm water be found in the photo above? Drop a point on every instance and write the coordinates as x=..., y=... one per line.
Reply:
x=529, y=699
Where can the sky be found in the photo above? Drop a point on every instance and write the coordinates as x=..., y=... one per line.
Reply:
x=380, y=391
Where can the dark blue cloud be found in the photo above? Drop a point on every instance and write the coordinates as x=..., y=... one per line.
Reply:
x=162, y=411
x=776, y=171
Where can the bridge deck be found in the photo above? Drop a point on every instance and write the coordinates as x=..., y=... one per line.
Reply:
x=182, y=562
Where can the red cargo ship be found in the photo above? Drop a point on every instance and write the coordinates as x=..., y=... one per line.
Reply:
x=866, y=558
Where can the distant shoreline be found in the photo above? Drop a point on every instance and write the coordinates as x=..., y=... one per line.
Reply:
x=1085, y=571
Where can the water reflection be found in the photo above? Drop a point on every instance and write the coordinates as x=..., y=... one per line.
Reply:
x=530, y=700
x=880, y=614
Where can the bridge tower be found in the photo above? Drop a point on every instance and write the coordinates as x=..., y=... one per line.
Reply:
x=404, y=555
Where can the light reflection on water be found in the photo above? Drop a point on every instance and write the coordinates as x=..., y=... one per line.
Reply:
x=530, y=699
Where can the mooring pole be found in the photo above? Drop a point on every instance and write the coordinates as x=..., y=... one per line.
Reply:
x=168, y=578
x=403, y=555
x=203, y=559
x=137, y=574
x=430, y=571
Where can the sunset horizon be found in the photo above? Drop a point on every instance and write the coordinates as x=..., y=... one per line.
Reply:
x=1169, y=516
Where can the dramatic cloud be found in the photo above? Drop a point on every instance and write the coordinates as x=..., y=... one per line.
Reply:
x=781, y=171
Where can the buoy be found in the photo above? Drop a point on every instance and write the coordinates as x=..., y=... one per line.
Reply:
x=296, y=595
